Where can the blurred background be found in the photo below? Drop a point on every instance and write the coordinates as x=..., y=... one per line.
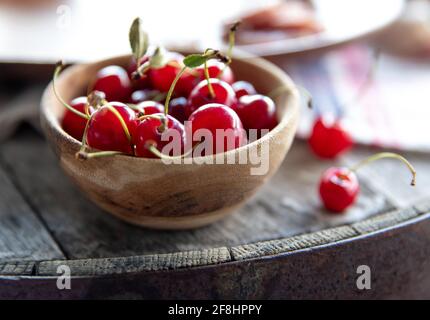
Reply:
x=365, y=62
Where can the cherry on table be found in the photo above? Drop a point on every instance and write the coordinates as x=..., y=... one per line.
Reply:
x=105, y=131
x=329, y=140
x=149, y=133
x=338, y=189
x=217, y=116
x=257, y=112
x=242, y=88
x=114, y=82
x=200, y=95
x=339, y=186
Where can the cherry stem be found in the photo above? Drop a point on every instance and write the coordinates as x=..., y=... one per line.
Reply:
x=151, y=146
x=231, y=43
x=121, y=120
x=169, y=96
x=384, y=155
x=211, y=89
x=82, y=155
x=57, y=71
x=141, y=70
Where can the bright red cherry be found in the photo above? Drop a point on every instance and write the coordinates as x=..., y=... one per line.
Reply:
x=143, y=82
x=329, y=140
x=114, y=82
x=162, y=78
x=149, y=132
x=105, y=131
x=200, y=95
x=150, y=107
x=242, y=88
x=217, y=116
x=217, y=69
x=257, y=112
x=177, y=108
x=74, y=124
x=338, y=189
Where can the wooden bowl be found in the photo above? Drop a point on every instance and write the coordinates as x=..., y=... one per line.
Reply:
x=150, y=193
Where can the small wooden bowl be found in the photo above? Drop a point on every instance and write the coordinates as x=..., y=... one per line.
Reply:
x=149, y=193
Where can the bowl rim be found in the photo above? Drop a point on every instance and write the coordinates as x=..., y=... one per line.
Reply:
x=258, y=62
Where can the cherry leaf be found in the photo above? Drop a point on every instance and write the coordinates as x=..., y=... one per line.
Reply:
x=195, y=60
x=139, y=41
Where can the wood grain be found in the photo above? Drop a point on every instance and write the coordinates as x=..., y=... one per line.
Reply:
x=22, y=235
x=287, y=206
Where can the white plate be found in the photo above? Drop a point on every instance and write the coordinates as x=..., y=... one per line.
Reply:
x=342, y=20
x=87, y=30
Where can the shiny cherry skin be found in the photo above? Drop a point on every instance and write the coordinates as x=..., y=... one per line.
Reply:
x=143, y=82
x=215, y=69
x=243, y=88
x=191, y=78
x=338, y=189
x=114, y=82
x=200, y=95
x=72, y=123
x=148, y=132
x=105, y=131
x=150, y=107
x=162, y=78
x=257, y=112
x=329, y=140
x=217, y=116
x=143, y=95
x=177, y=108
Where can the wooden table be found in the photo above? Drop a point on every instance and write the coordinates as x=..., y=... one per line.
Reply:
x=280, y=245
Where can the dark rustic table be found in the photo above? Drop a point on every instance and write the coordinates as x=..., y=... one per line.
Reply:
x=282, y=244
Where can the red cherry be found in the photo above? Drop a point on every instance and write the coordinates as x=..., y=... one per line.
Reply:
x=186, y=83
x=105, y=131
x=72, y=123
x=338, y=189
x=242, y=88
x=190, y=79
x=162, y=78
x=148, y=132
x=143, y=95
x=177, y=108
x=217, y=116
x=215, y=69
x=257, y=112
x=329, y=141
x=143, y=82
x=200, y=95
x=114, y=82
x=150, y=107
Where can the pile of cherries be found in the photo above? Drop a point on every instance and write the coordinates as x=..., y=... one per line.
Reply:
x=127, y=111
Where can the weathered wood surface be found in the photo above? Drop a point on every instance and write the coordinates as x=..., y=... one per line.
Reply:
x=287, y=206
x=265, y=250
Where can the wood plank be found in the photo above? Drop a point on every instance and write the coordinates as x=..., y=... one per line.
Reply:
x=22, y=235
x=287, y=206
x=156, y=262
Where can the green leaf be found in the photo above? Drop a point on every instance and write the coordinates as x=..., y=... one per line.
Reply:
x=194, y=60
x=158, y=59
x=138, y=39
